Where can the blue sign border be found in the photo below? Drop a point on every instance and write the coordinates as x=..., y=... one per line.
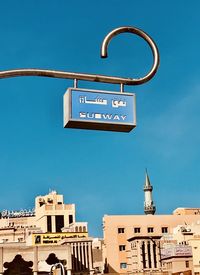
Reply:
x=99, y=110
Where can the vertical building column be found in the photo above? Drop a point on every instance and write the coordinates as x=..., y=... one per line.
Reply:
x=158, y=255
x=86, y=256
x=152, y=255
x=35, y=261
x=83, y=254
x=69, y=259
x=139, y=256
x=1, y=260
x=79, y=255
x=134, y=256
x=146, y=253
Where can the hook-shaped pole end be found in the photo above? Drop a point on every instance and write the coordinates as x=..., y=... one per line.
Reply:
x=147, y=38
x=104, y=53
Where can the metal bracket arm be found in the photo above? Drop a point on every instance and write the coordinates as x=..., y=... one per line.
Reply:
x=96, y=77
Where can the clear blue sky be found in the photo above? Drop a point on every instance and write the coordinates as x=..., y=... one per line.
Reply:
x=101, y=172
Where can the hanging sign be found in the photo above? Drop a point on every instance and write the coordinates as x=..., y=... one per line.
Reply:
x=99, y=110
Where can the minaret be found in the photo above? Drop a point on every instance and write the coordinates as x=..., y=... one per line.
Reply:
x=149, y=207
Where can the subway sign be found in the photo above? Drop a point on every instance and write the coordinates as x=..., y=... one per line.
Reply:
x=99, y=110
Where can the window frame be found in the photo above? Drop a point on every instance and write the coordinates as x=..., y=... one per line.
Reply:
x=120, y=230
x=165, y=228
x=122, y=247
x=187, y=264
x=150, y=229
x=123, y=265
x=137, y=230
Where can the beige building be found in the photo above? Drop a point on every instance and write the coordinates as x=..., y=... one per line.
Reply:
x=50, y=215
x=189, y=235
x=119, y=229
x=144, y=254
x=33, y=241
x=195, y=244
x=177, y=259
x=132, y=243
x=97, y=247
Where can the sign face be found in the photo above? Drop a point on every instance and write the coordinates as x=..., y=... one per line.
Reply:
x=55, y=238
x=99, y=110
x=176, y=251
x=17, y=214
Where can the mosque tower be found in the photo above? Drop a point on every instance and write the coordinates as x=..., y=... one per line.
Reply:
x=149, y=207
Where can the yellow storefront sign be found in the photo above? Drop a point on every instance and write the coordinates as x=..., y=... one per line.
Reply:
x=55, y=238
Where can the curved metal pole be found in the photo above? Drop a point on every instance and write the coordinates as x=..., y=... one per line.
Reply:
x=147, y=38
x=96, y=77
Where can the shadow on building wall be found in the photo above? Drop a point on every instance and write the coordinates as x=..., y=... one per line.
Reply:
x=18, y=266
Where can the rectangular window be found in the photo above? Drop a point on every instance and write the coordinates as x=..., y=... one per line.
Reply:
x=122, y=247
x=187, y=264
x=150, y=230
x=164, y=229
x=49, y=226
x=137, y=230
x=59, y=222
x=123, y=265
x=120, y=230
x=70, y=219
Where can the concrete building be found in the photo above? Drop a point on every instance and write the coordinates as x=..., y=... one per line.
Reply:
x=177, y=259
x=144, y=254
x=97, y=247
x=132, y=243
x=189, y=235
x=195, y=244
x=34, y=240
x=49, y=216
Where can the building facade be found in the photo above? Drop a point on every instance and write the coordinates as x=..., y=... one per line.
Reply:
x=119, y=229
x=177, y=259
x=32, y=241
x=133, y=243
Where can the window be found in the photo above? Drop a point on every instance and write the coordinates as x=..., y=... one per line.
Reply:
x=137, y=230
x=120, y=230
x=59, y=222
x=123, y=265
x=150, y=230
x=164, y=229
x=122, y=247
x=187, y=264
x=84, y=229
x=133, y=245
x=70, y=219
x=49, y=224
